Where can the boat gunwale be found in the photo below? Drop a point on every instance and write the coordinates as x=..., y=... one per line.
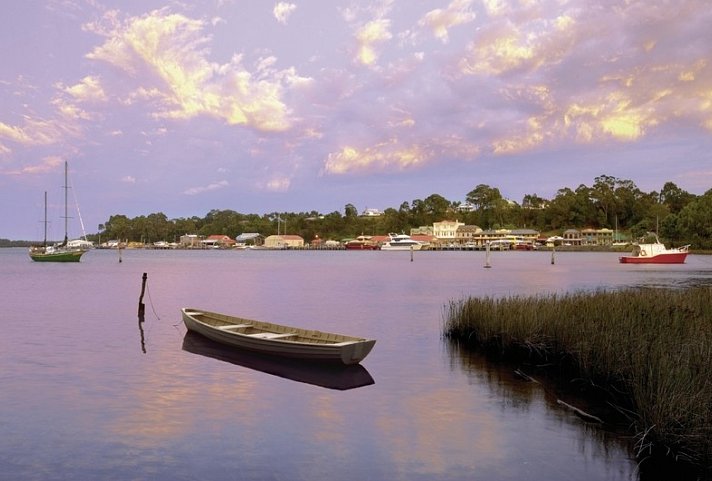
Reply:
x=317, y=345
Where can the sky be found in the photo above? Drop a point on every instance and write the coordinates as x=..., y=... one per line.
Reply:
x=308, y=105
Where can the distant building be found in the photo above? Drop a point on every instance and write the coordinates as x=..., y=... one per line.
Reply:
x=526, y=234
x=371, y=213
x=466, y=233
x=218, y=241
x=189, y=240
x=572, y=237
x=446, y=230
x=284, y=241
x=81, y=243
x=250, y=239
x=465, y=207
x=597, y=237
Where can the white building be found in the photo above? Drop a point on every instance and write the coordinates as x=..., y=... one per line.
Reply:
x=371, y=213
x=446, y=229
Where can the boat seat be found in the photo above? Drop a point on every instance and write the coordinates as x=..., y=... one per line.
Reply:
x=234, y=326
x=272, y=335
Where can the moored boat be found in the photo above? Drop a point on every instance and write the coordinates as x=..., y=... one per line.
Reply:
x=361, y=243
x=402, y=242
x=65, y=251
x=329, y=375
x=277, y=339
x=655, y=253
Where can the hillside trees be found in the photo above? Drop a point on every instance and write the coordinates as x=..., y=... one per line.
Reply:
x=610, y=202
x=694, y=221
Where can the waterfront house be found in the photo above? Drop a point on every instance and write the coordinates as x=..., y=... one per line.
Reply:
x=284, y=241
x=572, y=237
x=218, y=241
x=465, y=233
x=597, y=237
x=446, y=230
x=529, y=235
x=189, y=241
x=250, y=239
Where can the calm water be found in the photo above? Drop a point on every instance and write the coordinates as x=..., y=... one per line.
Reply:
x=85, y=394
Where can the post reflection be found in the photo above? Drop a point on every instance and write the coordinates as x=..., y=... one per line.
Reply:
x=141, y=319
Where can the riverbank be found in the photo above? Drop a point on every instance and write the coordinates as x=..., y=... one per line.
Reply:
x=648, y=352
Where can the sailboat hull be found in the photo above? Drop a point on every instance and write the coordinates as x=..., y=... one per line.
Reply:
x=65, y=256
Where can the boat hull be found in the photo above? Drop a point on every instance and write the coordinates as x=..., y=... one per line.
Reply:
x=65, y=256
x=276, y=339
x=388, y=247
x=360, y=247
x=328, y=375
x=674, y=258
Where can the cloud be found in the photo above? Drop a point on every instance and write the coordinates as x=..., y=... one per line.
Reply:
x=35, y=131
x=440, y=21
x=278, y=184
x=504, y=46
x=369, y=37
x=208, y=188
x=386, y=156
x=166, y=56
x=89, y=89
x=48, y=164
x=282, y=11
x=16, y=134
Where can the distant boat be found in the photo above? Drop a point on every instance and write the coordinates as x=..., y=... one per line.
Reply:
x=655, y=253
x=361, y=243
x=276, y=339
x=62, y=252
x=402, y=242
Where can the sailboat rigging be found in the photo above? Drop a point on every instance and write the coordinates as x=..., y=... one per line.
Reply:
x=61, y=252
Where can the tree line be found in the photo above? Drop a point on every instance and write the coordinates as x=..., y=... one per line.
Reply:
x=676, y=215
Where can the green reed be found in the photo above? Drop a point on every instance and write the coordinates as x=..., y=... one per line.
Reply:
x=652, y=347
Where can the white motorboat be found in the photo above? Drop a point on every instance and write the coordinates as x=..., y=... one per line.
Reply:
x=402, y=242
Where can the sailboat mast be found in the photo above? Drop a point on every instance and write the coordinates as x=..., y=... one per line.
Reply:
x=44, y=243
x=66, y=212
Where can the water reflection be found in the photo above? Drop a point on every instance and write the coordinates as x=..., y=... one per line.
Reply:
x=323, y=375
x=520, y=393
x=141, y=320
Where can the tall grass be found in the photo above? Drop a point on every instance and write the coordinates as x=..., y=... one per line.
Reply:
x=653, y=347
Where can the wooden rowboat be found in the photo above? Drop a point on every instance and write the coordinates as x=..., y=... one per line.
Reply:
x=329, y=375
x=276, y=339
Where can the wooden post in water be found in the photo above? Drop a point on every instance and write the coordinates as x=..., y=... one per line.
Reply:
x=487, y=255
x=141, y=306
x=553, y=251
x=411, y=253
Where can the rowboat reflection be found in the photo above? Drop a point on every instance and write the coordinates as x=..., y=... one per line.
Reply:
x=332, y=376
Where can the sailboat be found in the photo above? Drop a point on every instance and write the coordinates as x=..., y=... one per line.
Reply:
x=61, y=252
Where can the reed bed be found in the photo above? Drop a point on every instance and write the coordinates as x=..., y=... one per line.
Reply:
x=651, y=347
